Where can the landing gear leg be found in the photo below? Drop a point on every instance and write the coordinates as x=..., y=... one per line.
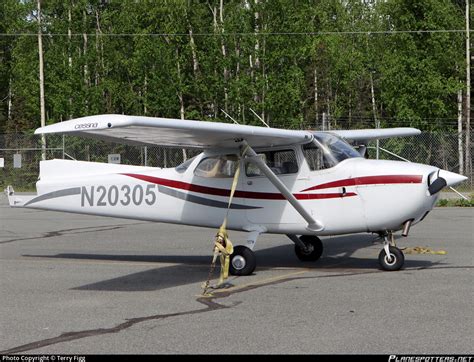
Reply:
x=391, y=258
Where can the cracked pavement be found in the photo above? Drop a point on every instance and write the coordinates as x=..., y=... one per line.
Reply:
x=84, y=284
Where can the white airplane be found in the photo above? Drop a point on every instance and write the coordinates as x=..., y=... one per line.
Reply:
x=303, y=184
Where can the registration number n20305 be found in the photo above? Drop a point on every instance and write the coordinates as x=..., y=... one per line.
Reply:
x=118, y=195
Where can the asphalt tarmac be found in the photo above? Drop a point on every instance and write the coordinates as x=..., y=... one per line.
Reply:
x=75, y=284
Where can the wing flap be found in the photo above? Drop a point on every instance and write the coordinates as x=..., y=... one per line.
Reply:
x=174, y=132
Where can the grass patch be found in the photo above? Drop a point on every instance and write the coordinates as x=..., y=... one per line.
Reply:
x=456, y=202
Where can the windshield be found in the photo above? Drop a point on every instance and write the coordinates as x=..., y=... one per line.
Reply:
x=184, y=166
x=327, y=151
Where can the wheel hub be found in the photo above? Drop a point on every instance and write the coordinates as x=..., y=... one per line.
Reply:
x=238, y=262
x=390, y=259
x=309, y=248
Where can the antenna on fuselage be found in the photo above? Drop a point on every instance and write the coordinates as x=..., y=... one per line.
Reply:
x=260, y=118
x=229, y=116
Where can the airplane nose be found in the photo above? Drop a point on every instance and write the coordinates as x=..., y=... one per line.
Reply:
x=442, y=178
x=451, y=177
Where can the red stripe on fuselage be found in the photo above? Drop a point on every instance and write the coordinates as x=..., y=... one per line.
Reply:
x=369, y=180
x=224, y=192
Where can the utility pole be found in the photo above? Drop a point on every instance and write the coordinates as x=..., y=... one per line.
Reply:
x=374, y=111
x=460, y=135
x=468, y=96
x=41, y=81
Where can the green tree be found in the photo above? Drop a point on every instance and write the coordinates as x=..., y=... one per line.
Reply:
x=420, y=72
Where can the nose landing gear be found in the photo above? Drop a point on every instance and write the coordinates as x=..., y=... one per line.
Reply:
x=391, y=258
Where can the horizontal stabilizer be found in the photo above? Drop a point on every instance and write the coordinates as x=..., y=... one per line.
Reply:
x=17, y=200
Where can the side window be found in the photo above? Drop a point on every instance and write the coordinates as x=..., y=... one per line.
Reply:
x=280, y=162
x=315, y=157
x=219, y=167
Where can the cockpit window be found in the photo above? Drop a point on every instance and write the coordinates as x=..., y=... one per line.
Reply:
x=219, y=166
x=327, y=151
x=281, y=162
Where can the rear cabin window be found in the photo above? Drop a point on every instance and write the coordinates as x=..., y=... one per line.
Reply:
x=280, y=162
x=217, y=167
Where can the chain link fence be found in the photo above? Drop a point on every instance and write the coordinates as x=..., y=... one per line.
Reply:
x=21, y=154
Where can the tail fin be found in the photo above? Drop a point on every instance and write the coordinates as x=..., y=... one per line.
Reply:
x=66, y=169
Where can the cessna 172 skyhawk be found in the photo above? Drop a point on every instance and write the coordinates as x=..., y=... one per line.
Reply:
x=303, y=184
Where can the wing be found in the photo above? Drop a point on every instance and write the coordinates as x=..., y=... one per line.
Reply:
x=174, y=132
x=378, y=133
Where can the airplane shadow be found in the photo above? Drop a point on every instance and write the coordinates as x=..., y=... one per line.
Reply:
x=338, y=256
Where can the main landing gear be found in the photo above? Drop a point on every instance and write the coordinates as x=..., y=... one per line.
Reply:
x=242, y=261
x=391, y=258
x=307, y=247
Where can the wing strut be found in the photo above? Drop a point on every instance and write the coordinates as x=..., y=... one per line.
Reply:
x=313, y=225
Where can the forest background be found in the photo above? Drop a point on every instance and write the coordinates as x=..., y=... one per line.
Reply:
x=297, y=64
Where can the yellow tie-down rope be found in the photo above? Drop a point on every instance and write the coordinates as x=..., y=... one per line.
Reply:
x=421, y=250
x=222, y=245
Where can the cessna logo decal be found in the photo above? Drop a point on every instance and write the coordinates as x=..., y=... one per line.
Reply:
x=86, y=125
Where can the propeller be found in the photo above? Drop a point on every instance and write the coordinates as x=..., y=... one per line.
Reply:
x=437, y=180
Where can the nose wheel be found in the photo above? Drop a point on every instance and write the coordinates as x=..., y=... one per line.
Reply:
x=391, y=258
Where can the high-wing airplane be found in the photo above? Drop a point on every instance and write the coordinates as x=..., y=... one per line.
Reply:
x=304, y=184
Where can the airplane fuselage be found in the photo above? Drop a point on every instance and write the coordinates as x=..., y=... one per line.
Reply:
x=357, y=195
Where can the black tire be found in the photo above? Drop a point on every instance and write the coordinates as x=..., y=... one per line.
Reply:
x=395, y=263
x=314, y=251
x=242, y=261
